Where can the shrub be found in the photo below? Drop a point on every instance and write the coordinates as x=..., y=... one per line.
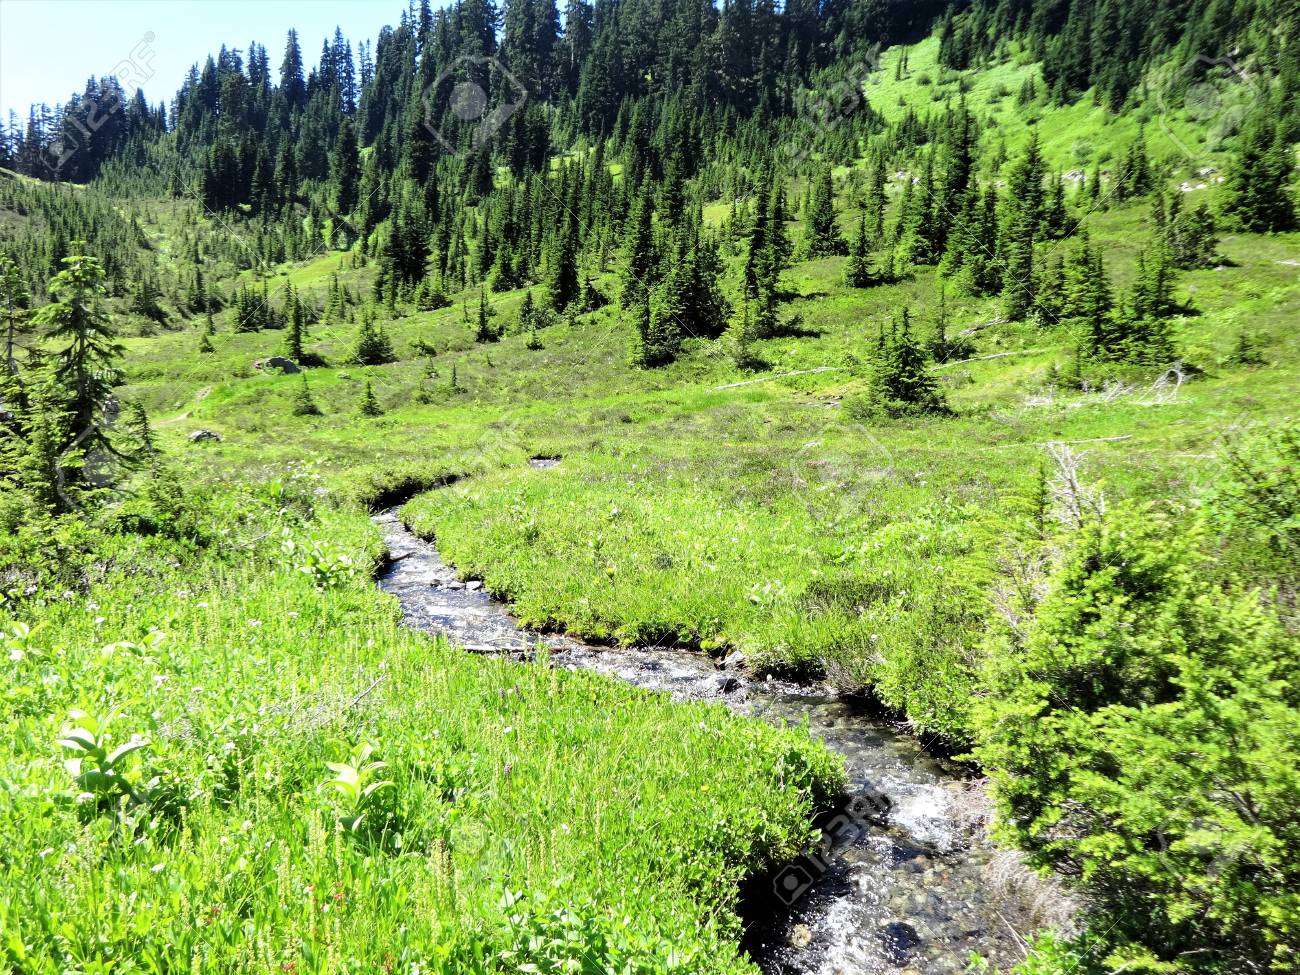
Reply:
x=1140, y=735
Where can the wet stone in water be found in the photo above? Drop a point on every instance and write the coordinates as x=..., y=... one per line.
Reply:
x=899, y=938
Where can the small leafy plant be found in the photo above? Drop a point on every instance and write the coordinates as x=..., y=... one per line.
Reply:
x=98, y=769
x=323, y=563
x=357, y=786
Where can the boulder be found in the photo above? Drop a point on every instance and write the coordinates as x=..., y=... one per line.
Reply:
x=205, y=436
x=277, y=362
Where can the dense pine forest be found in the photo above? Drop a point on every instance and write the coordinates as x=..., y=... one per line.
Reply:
x=935, y=357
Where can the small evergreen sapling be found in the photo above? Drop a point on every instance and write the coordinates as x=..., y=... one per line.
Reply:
x=303, y=404
x=900, y=383
x=369, y=402
x=372, y=346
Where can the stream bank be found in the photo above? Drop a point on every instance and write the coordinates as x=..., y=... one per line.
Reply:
x=897, y=886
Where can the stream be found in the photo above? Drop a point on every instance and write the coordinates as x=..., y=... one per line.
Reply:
x=897, y=886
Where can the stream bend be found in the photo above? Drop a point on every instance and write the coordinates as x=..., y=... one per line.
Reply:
x=896, y=886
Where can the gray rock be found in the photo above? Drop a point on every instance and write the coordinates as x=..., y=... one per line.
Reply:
x=474, y=586
x=733, y=660
x=205, y=436
x=727, y=684
x=277, y=362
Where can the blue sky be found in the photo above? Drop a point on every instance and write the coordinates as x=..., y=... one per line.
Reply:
x=49, y=47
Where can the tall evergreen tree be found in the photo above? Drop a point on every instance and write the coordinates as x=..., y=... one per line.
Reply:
x=345, y=169
x=823, y=235
x=87, y=351
x=563, y=289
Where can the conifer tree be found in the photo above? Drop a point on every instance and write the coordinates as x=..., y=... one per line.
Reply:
x=140, y=432
x=197, y=298
x=145, y=299
x=1018, y=267
x=372, y=346
x=1245, y=351
x=527, y=310
x=1023, y=223
x=759, y=257
x=294, y=325
x=900, y=382
x=641, y=258
x=1087, y=302
x=303, y=404
x=563, y=288
x=85, y=359
x=14, y=298
x=822, y=234
x=369, y=403
x=592, y=297
x=1050, y=293
x=740, y=340
x=485, y=330
x=1191, y=237
x=345, y=169
x=858, y=272
x=1153, y=285
x=874, y=207
x=42, y=459
x=1134, y=177
x=1258, y=178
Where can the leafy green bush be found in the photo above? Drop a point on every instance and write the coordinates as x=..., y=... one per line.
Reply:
x=1141, y=736
x=1257, y=505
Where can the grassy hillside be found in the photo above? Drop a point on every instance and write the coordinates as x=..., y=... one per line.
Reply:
x=759, y=507
x=728, y=508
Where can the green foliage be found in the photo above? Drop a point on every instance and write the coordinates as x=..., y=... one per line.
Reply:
x=303, y=403
x=85, y=365
x=1136, y=735
x=822, y=235
x=858, y=271
x=369, y=402
x=1257, y=501
x=1259, y=178
x=372, y=346
x=499, y=772
x=356, y=786
x=97, y=768
x=900, y=382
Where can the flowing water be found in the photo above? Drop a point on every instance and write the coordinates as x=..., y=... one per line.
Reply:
x=896, y=887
